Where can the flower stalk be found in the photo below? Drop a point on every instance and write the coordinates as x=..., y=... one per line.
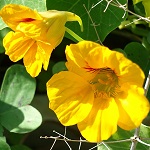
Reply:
x=78, y=38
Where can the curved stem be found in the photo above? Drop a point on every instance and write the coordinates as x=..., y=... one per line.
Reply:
x=78, y=38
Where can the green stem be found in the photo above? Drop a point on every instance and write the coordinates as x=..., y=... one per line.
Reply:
x=78, y=38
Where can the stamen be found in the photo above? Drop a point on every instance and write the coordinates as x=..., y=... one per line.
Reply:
x=105, y=82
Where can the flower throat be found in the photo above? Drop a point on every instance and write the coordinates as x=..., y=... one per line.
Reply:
x=105, y=83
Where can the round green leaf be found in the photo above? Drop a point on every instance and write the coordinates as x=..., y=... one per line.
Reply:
x=60, y=66
x=21, y=120
x=138, y=54
x=103, y=21
x=18, y=88
x=4, y=145
x=121, y=51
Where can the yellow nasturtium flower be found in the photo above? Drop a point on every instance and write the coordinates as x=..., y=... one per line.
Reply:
x=35, y=34
x=100, y=90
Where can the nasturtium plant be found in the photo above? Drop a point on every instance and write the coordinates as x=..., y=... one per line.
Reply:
x=98, y=79
x=146, y=4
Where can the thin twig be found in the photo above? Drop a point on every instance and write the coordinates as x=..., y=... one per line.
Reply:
x=117, y=4
x=99, y=40
x=83, y=141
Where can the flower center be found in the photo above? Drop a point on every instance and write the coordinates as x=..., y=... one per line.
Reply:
x=27, y=20
x=105, y=83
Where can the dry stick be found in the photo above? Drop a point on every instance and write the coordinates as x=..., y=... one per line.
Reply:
x=117, y=4
x=83, y=141
x=136, y=138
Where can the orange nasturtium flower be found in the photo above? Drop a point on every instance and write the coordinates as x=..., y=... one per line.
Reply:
x=35, y=34
x=100, y=90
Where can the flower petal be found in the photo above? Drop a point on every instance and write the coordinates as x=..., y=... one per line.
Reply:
x=33, y=61
x=77, y=57
x=126, y=70
x=71, y=97
x=133, y=107
x=88, y=54
x=32, y=30
x=63, y=16
x=45, y=49
x=16, y=45
x=101, y=122
x=13, y=14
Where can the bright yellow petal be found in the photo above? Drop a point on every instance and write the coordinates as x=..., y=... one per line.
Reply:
x=71, y=97
x=45, y=49
x=126, y=70
x=55, y=32
x=54, y=22
x=33, y=61
x=133, y=107
x=61, y=16
x=31, y=30
x=77, y=57
x=101, y=122
x=88, y=54
x=16, y=45
x=13, y=14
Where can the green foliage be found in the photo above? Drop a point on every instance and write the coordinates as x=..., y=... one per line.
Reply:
x=2, y=34
x=16, y=84
x=136, y=1
x=146, y=4
x=4, y=145
x=99, y=21
x=17, y=91
x=84, y=9
x=20, y=147
x=138, y=54
x=125, y=141
x=60, y=66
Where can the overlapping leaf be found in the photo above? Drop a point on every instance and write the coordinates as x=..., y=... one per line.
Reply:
x=17, y=91
x=98, y=20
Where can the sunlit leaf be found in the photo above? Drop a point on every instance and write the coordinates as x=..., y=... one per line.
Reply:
x=4, y=145
x=136, y=1
x=18, y=87
x=17, y=92
x=146, y=4
x=21, y=120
